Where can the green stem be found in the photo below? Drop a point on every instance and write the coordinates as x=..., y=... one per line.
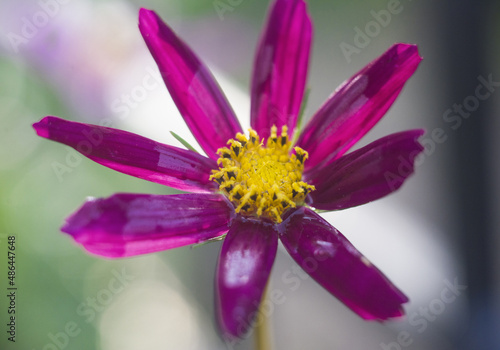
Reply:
x=262, y=333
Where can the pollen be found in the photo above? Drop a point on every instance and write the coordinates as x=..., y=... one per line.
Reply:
x=262, y=181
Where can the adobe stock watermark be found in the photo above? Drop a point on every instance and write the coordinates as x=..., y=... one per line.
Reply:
x=223, y=6
x=130, y=100
x=363, y=35
x=31, y=25
x=427, y=314
x=89, y=309
x=123, y=106
x=90, y=138
x=454, y=116
x=263, y=311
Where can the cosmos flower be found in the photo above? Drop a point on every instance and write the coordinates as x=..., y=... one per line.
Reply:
x=257, y=188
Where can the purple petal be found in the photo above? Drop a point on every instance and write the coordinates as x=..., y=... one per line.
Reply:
x=132, y=224
x=357, y=105
x=191, y=85
x=328, y=257
x=244, y=266
x=280, y=67
x=366, y=174
x=132, y=154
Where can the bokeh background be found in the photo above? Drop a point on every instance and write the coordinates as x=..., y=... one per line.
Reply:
x=436, y=238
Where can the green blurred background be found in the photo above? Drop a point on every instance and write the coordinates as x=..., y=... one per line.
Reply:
x=83, y=61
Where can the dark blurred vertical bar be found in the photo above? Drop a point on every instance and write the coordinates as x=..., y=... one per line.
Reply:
x=464, y=42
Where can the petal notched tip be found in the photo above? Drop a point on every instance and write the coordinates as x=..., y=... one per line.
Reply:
x=127, y=224
x=339, y=267
x=148, y=22
x=132, y=154
x=387, y=74
x=83, y=217
x=410, y=49
x=357, y=105
x=42, y=128
x=147, y=16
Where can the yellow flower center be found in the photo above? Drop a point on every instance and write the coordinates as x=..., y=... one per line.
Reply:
x=262, y=181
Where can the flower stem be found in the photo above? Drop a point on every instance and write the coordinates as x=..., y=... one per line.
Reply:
x=262, y=334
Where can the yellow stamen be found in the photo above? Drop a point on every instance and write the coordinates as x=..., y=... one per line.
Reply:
x=262, y=181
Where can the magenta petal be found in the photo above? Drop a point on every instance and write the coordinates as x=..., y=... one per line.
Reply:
x=328, y=257
x=357, y=105
x=132, y=224
x=366, y=174
x=132, y=154
x=280, y=67
x=244, y=266
x=191, y=85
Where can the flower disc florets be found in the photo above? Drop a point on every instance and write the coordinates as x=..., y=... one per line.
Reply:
x=262, y=181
